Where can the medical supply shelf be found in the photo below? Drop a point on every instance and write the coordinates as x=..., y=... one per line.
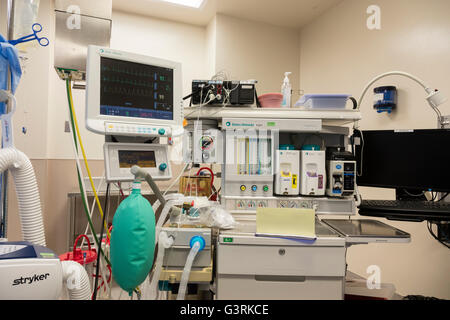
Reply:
x=328, y=117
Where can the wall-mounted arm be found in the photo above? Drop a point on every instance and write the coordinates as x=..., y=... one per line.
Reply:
x=434, y=98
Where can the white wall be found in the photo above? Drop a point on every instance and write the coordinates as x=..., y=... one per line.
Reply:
x=340, y=55
x=42, y=102
x=211, y=44
x=237, y=46
x=33, y=93
x=138, y=34
x=4, y=18
x=253, y=50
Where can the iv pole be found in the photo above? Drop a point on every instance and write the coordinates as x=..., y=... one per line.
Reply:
x=4, y=176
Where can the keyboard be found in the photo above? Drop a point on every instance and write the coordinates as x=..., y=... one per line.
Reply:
x=406, y=210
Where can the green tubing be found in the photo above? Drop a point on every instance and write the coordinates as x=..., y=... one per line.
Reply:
x=80, y=184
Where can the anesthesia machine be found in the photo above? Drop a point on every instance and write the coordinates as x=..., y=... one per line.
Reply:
x=276, y=226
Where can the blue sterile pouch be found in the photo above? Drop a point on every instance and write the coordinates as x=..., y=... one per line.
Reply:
x=9, y=61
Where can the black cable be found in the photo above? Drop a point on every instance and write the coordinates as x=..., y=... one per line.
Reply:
x=355, y=103
x=359, y=134
x=413, y=195
x=258, y=104
x=446, y=195
x=197, y=92
x=434, y=195
x=94, y=297
x=352, y=144
x=429, y=225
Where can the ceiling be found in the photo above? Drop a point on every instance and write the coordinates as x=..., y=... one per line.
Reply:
x=283, y=13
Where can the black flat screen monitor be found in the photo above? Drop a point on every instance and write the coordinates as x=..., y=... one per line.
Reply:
x=407, y=159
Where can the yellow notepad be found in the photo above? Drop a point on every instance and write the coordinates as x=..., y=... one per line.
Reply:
x=286, y=223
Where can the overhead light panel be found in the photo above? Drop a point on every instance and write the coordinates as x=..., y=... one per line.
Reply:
x=187, y=3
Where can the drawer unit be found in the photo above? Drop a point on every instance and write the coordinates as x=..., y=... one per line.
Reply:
x=246, y=287
x=250, y=267
x=281, y=260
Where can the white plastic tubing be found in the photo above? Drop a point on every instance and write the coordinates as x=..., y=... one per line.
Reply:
x=27, y=194
x=187, y=270
x=165, y=242
x=162, y=241
x=77, y=280
x=393, y=73
x=173, y=200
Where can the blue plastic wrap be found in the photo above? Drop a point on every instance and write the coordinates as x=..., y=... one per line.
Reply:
x=9, y=59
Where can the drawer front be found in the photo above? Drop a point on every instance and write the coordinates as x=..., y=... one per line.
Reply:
x=234, y=287
x=278, y=260
x=176, y=257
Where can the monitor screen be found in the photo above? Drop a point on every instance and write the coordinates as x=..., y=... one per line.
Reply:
x=143, y=159
x=130, y=89
x=414, y=159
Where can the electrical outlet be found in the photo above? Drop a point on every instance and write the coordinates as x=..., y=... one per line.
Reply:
x=66, y=126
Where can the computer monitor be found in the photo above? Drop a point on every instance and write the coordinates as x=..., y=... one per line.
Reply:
x=405, y=159
x=131, y=94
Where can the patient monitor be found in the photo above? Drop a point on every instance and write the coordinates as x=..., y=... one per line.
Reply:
x=136, y=102
x=130, y=94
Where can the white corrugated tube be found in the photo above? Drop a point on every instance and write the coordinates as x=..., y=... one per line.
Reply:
x=27, y=194
x=76, y=280
x=172, y=196
x=165, y=242
x=187, y=270
x=163, y=216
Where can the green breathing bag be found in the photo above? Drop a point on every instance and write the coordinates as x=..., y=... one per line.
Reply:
x=132, y=240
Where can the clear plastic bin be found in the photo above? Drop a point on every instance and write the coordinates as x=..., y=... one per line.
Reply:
x=323, y=101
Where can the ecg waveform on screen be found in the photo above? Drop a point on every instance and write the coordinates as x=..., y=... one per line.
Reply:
x=128, y=91
x=125, y=81
x=118, y=81
x=131, y=89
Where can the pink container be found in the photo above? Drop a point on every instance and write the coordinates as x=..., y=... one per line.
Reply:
x=270, y=100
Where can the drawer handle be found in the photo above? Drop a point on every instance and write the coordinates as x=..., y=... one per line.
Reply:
x=280, y=278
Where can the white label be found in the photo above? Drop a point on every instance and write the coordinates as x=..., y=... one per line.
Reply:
x=7, y=138
x=378, y=97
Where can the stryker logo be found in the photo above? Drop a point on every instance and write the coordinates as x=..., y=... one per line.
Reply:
x=30, y=280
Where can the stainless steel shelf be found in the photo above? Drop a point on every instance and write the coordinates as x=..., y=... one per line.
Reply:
x=329, y=117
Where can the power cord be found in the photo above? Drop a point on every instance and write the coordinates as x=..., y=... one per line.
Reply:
x=420, y=298
x=94, y=297
x=413, y=195
x=430, y=229
x=443, y=197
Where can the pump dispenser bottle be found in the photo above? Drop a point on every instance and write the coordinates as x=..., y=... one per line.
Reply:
x=286, y=90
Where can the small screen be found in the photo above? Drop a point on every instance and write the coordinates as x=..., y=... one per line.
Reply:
x=136, y=90
x=417, y=160
x=143, y=159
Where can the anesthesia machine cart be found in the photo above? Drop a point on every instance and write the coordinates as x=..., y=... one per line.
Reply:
x=284, y=158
